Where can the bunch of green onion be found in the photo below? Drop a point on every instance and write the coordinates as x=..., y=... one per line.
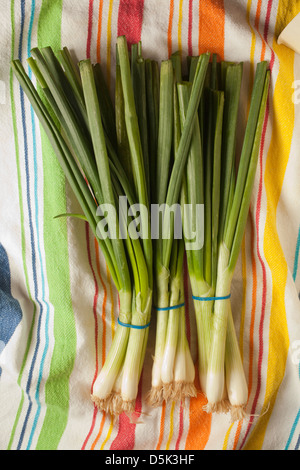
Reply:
x=222, y=181
x=162, y=141
x=104, y=152
x=75, y=110
x=173, y=370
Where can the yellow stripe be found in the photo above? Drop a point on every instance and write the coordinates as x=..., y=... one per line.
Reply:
x=108, y=434
x=277, y=159
x=253, y=43
x=171, y=426
x=225, y=444
x=180, y=27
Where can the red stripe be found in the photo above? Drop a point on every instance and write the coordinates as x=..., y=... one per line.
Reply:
x=125, y=438
x=130, y=20
x=90, y=28
x=257, y=218
x=190, y=43
x=267, y=24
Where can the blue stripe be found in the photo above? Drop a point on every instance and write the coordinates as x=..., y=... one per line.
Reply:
x=32, y=241
x=297, y=446
x=296, y=260
x=292, y=430
x=295, y=270
x=36, y=200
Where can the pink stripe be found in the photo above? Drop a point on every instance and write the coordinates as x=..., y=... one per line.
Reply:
x=260, y=257
x=180, y=428
x=190, y=44
x=90, y=28
x=96, y=329
x=130, y=20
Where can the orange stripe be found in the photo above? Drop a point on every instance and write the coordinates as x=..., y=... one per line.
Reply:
x=99, y=433
x=211, y=27
x=162, y=422
x=237, y=435
x=99, y=31
x=256, y=24
x=200, y=421
x=171, y=14
x=254, y=32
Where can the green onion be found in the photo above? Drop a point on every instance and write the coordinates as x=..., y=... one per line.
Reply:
x=231, y=240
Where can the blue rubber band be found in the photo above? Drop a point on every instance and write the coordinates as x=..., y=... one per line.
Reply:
x=169, y=308
x=205, y=299
x=137, y=327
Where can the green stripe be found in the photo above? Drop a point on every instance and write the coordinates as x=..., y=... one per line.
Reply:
x=57, y=263
x=21, y=204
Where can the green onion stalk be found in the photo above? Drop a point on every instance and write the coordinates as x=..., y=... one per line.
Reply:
x=223, y=185
x=73, y=106
x=173, y=369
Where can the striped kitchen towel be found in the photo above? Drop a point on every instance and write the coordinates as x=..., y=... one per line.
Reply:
x=58, y=306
